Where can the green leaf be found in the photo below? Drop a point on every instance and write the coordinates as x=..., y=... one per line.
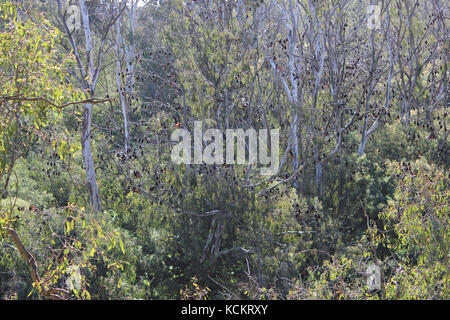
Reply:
x=121, y=245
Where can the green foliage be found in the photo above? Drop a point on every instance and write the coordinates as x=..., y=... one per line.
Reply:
x=33, y=90
x=223, y=232
x=413, y=245
x=418, y=217
x=32, y=85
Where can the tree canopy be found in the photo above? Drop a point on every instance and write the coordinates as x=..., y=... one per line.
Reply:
x=93, y=205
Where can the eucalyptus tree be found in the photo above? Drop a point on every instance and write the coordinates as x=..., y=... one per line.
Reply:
x=125, y=50
x=88, y=69
x=34, y=91
x=421, y=77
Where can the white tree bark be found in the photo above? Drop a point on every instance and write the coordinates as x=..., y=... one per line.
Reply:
x=125, y=51
x=120, y=87
x=292, y=86
x=87, y=74
x=88, y=160
x=367, y=132
x=89, y=89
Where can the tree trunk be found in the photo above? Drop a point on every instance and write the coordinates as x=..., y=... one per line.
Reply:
x=120, y=88
x=87, y=158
